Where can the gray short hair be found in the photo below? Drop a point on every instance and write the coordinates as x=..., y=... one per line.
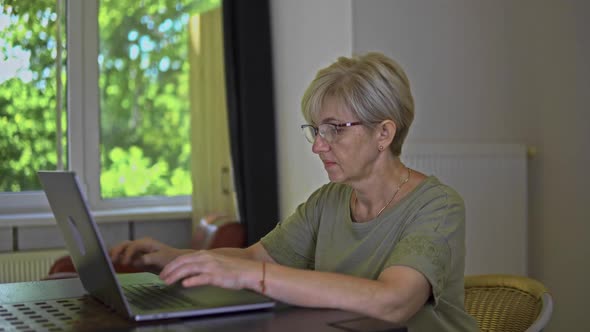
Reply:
x=374, y=88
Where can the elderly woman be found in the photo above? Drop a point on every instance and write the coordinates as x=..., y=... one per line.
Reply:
x=380, y=239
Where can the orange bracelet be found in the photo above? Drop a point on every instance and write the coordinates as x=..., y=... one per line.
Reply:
x=262, y=285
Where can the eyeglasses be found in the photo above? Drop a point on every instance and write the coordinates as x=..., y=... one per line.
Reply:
x=327, y=131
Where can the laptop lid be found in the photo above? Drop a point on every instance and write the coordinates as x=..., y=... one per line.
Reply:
x=97, y=274
x=82, y=238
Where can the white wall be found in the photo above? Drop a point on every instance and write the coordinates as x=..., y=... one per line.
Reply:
x=493, y=71
x=455, y=53
x=557, y=56
x=307, y=35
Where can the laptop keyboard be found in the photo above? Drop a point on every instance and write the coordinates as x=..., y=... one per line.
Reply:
x=155, y=296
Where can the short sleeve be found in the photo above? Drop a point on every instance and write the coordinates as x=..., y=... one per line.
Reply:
x=433, y=242
x=293, y=241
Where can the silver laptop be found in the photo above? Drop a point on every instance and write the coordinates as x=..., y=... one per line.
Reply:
x=139, y=296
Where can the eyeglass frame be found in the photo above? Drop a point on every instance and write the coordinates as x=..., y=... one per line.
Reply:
x=336, y=126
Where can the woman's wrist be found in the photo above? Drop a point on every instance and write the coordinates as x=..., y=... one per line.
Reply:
x=257, y=276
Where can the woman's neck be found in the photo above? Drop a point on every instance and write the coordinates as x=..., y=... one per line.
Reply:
x=380, y=191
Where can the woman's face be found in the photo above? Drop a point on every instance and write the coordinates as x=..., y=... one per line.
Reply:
x=351, y=156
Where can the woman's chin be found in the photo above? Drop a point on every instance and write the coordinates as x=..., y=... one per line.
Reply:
x=336, y=178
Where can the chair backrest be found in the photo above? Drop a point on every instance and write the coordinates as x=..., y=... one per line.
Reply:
x=218, y=231
x=507, y=303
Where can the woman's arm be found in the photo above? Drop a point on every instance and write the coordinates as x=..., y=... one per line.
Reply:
x=254, y=252
x=396, y=296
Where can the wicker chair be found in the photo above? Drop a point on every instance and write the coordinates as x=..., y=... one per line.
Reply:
x=507, y=303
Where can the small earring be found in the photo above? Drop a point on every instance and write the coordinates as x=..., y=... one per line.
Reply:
x=380, y=147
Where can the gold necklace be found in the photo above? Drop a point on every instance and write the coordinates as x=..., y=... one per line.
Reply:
x=394, y=194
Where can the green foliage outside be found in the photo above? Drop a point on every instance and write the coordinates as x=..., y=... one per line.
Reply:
x=144, y=97
x=28, y=99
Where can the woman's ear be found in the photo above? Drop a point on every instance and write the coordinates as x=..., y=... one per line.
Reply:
x=385, y=133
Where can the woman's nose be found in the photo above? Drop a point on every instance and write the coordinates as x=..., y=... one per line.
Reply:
x=320, y=145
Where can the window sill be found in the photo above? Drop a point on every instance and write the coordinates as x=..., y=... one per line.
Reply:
x=107, y=216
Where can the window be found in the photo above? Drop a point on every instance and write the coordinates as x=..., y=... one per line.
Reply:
x=124, y=126
x=144, y=96
x=32, y=104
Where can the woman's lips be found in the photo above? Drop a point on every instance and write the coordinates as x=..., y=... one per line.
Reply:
x=328, y=163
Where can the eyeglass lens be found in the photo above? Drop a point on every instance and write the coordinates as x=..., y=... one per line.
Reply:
x=309, y=132
x=326, y=131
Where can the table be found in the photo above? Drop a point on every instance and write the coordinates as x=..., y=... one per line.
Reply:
x=63, y=305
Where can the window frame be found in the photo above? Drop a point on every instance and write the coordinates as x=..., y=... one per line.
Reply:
x=84, y=126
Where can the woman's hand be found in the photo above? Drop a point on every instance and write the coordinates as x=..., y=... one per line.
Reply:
x=145, y=254
x=210, y=268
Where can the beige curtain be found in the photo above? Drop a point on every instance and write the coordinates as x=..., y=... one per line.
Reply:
x=213, y=191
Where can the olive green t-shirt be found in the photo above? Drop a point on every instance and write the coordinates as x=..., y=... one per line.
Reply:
x=425, y=230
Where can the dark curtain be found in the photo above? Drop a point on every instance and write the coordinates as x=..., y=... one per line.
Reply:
x=250, y=102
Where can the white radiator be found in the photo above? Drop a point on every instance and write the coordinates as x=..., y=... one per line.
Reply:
x=492, y=179
x=27, y=265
